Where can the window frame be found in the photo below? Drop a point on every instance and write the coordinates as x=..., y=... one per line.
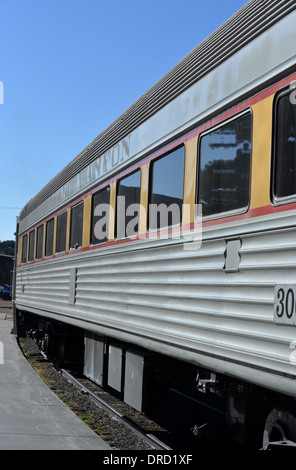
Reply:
x=38, y=229
x=32, y=246
x=61, y=214
x=76, y=246
x=150, y=188
x=47, y=255
x=92, y=224
x=232, y=212
x=121, y=236
x=278, y=201
x=25, y=252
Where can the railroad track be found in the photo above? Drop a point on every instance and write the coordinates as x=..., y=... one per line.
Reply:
x=171, y=428
x=150, y=439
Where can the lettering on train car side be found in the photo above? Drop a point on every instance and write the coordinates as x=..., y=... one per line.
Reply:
x=285, y=304
x=102, y=166
x=110, y=159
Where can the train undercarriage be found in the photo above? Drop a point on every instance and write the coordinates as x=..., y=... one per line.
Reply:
x=254, y=417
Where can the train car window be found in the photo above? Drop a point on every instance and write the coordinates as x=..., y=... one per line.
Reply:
x=39, y=244
x=166, y=190
x=49, y=237
x=224, y=167
x=285, y=147
x=128, y=205
x=61, y=232
x=24, y=249
x=100, y=216
x=31, y=245
x=76, y=226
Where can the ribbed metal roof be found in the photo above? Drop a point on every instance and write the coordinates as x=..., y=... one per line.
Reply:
x=248, y=23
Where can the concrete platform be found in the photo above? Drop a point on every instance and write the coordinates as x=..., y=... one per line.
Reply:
x=32, y=417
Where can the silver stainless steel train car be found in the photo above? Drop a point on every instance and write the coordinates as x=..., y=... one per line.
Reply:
x=116, y=266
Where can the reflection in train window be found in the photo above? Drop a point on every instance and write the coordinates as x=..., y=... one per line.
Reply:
x=128, y=205
x=224, y=167
x=31, y=245
x=100, y=216
x=49, y=237
x=39, y=244
x=76, y=226
x=24, y=249
x=61, y=232
x=166, y=192
x=285, y=147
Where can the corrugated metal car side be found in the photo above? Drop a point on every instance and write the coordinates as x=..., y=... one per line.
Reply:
x=163, y=296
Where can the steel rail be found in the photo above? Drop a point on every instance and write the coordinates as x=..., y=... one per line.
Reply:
x=149, y=438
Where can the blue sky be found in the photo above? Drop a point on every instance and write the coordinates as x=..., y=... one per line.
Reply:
x=69, y=68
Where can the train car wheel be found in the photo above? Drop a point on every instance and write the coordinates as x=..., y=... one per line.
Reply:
x=280, y=427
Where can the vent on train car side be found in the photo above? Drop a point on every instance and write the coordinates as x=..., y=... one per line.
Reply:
x=72, y=286
x=232, y=256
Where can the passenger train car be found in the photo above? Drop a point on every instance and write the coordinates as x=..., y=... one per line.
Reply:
x=167, y=248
